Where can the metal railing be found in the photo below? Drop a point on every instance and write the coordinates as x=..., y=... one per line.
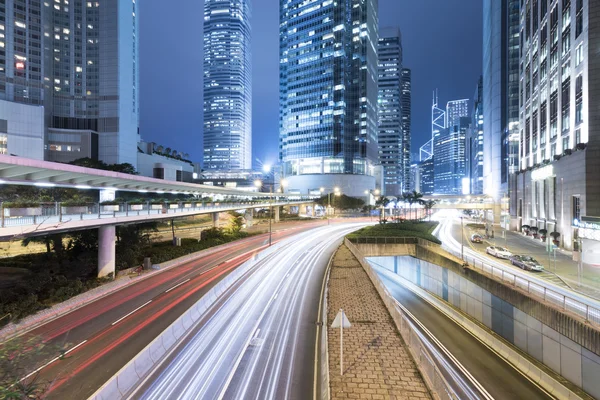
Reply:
x=565, y=303
x=383, y=240
x=48, y=213
x=440, y=380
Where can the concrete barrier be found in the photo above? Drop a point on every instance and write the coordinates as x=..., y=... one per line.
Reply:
x=535, y=373
x=120, y=384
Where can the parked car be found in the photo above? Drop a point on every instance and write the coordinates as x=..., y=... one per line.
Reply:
x=498, y=251
x=528, y=263
x=476, y=238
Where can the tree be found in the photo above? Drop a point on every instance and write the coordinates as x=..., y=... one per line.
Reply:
x=411, y=198
x=159, y=148
x=428, y=204
x=168, y=151
x=236, y=222
x=124, y=168
x=382, y=203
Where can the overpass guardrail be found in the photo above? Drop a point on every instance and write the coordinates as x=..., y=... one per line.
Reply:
x=57, y=212
x=537, y=289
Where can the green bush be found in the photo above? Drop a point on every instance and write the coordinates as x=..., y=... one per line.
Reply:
x=407, y=229
x=21, y=204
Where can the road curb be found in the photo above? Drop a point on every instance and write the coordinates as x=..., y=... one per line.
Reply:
x=43, y=317
x=151, y=356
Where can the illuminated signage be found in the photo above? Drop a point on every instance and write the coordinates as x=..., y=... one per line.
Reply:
x=20, y=65
x=542, y=173
x=466, y=186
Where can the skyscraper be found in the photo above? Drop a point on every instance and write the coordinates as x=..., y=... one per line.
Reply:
x=93, y=77
x=405, y=156
x=455, y=110
x=500, y=95
x=227, y=85
x=393, y=113
x=557, y=183
x=78, y=59
x=475, y=141
x=450, y=158
x=328, y=95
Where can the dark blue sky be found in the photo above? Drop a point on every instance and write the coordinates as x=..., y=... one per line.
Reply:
x=442, y=42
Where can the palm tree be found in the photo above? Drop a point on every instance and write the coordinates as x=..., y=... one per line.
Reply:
x=382, y=202
x=416, y=198
x=428, y=204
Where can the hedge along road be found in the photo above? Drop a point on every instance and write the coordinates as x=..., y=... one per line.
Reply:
x=110, y=331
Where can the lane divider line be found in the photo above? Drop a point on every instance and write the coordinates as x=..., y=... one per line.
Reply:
x=179, y=284
x=51, y=361
x=127, y=315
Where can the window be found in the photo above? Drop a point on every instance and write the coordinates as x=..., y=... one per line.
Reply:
x=579, y=55
x=565, y=143
x=566, y=42
x=579, y=18
x=576, y=207
x=579, y=100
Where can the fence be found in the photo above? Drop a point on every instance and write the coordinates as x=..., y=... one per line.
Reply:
x=440, y=381
x=537, y=289
x=47, y=213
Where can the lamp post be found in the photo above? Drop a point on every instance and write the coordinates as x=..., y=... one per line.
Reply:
x=337, y=192
x=462, y=239
x=258, y=183
x=368, y=192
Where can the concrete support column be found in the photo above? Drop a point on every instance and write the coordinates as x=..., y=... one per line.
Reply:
x=249, y=215
x=303, y=209
x=106, y=251
x=215, y=219
x=275, y=214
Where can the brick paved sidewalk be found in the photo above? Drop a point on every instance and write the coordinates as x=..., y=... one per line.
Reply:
x=376, y=363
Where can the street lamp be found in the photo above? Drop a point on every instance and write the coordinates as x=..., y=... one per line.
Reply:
x=258, y=183
x=337, y=192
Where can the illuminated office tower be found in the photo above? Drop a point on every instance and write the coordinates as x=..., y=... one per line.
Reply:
x=92, y=75
x=328, y=95
x=227, y=85
x=557, y=185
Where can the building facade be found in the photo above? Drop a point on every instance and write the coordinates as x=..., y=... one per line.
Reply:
x=79, y=60
x=328, y=95
x=394, y=83
x=450, y=157
x=500, y=96
x=475, y=142
x=405, y=155
x=426, y=174
x=559, y=151
x=227, y=85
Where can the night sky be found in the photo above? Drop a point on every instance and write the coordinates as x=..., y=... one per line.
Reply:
x=442, y=42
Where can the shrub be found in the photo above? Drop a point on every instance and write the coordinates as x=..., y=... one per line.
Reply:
x=21, y=204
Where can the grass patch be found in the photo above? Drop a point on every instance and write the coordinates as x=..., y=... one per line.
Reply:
x=418, y=229
x=476, y=226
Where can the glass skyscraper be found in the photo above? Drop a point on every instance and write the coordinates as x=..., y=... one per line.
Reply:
x=449, y=149
x=78, y=59
x=393, y=113
x=475, y=141
x=328, y=94
x=227, y=85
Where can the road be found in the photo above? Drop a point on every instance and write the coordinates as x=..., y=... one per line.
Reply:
x=500, y=379
x=258, y=340
x=107, y=333
x=577, y=302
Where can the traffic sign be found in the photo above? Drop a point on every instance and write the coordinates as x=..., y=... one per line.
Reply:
x=341, y=316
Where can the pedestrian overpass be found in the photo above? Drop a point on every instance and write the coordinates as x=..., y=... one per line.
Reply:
x=51, y=218
x=464, y=202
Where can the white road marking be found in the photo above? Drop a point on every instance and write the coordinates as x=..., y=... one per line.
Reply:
x=179, y=284
x=51, y=361
x=125, y=316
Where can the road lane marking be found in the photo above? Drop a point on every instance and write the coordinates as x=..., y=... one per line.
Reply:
x=320, y=325
x=127, y=315
x=179, y=284
x=51, y=361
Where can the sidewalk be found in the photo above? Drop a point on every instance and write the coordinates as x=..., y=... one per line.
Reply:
x=376, y=363
x=564, y=266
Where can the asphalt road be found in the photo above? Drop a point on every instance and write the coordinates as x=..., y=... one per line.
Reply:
x=257, y=341
x=107, y=333
x=500, y=379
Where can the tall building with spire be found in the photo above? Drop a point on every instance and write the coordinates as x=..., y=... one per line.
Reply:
x=328, y=95
x=227, y=135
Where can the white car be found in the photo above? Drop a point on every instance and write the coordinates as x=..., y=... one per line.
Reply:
x=498, y=251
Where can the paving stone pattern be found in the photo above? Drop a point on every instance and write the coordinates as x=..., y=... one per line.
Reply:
x=377, y=365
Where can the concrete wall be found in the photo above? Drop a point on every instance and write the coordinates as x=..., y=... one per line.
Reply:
x=568, y=358
x=23, y=125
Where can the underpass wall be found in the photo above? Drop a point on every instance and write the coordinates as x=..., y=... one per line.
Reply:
x=529, y=325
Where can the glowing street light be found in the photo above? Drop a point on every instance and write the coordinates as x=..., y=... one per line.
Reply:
x=266, y=168
x=258, y=183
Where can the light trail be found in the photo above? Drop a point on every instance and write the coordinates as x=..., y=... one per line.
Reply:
x=269, y=305
x=575, y=302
